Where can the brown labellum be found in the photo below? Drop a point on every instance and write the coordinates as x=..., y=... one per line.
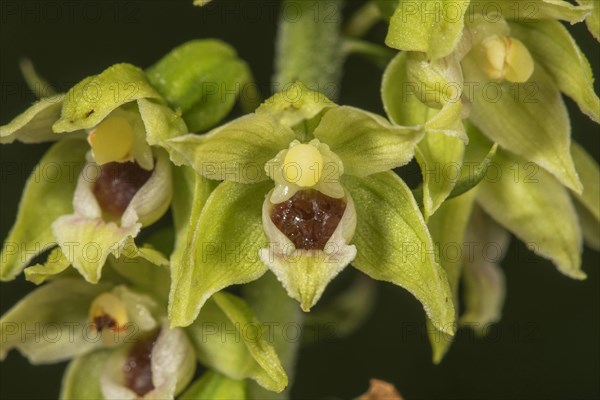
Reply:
x=104, y=321
x=308, y=218
x=116, y=186
x=138, y=365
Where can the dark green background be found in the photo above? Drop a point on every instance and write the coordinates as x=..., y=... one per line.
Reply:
x=545, y=347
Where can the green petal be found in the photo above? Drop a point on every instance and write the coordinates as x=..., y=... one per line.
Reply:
x=394, y=244
x=160, y=121
x=551, y=44
x=82, y=377
x=366, y=143
x=588, y=202
x=221, y=249
x=91, y=100
x=422, y=26
x=483, y=279
x=280, y=312
x=593, y=20
x=229, y=338
x=51, y=323
x=35, y=124
x=529, y=119
x=54, y=265
x=53, y=180
x=447, y=228
x=440, y=158
x=87, y=242
x=203, y=79
x=534, y=206
x=215, y=386
x=237, y=151
x=295, y=104
x=533, y=9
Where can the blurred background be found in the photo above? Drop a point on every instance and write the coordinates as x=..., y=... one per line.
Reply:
x=546, y=346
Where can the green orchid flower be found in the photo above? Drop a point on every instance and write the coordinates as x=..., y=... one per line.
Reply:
x=503, y=71
x=120, y=181
x=307, y=189
x=117, y=336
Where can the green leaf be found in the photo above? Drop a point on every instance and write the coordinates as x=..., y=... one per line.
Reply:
x=534, y=206
x=228, y=338
x=447, y=228
x=483, y=279
x=532, y=10
x=366, y=143
x=593, y=20
x=423, y=26
x=295, y=104
x=53, y=180
x=54, y=265
x=203, y=79
x=59, y=311
x=36, y=83
x=91, y=100
x=588, y=202
x=213, y=385
x=394, y=244
x=529, y=119
x=551, y=44
x=237, y=151
x=82, y=379
x=35, y=124
x=221, y=248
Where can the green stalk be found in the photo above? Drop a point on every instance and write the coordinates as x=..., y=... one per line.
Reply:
x=309, y=46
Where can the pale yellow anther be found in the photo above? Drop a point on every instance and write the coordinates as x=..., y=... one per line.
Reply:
x=112, y=140
x=108, y=312
x=303, y=165
x=506, y=58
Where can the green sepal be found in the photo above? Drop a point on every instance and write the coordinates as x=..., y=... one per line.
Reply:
x=58, y=308
x=203, y=79
x=221, y=248
x=215, y=386
x=546, y=222
x=82, y=379
x=91, y=100
x=32, y=234
x=483, y=279
x=529, y=119
x=447, y=228
x=160, y=122
x=237, y=151
x=551, y=45
x=230, y=339
x=365, y=142
x=421, y=26
x=394, y=244
x=54, y=265
x=295, y=104
x=35, y=124
x=533, y=9
x=587, y=203
x=593, y=20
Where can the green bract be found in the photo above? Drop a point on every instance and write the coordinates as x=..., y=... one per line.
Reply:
x=235, y=240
